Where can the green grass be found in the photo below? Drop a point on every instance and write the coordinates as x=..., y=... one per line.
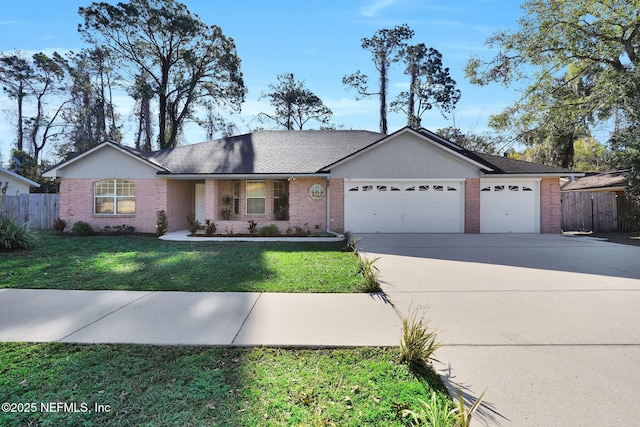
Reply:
x=146, y=263
x=194, y=386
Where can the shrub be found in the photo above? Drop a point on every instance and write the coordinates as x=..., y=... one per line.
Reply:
x=418, y=342
x=441, y=412
x=194, y=224
x=161, y=223
x=269, y=230
x=351, y=242
x=210, y=227
x=120, y=230
x=253, y=227
x=227, y=201
x=301, y=231
x=370, y=274
x=59, y=225
x=81, y=228
x=15, y=234
x=436, y=412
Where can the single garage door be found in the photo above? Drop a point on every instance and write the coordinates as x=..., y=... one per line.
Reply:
x=404, y=206
x=509, y=207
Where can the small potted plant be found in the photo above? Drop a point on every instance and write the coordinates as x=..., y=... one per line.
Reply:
x=282, y=211
x=227, y=202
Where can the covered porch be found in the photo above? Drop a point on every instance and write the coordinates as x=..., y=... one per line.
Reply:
x=293, y=204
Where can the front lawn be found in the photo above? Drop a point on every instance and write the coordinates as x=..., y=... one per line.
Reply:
x=133, y=385
x=146, y=263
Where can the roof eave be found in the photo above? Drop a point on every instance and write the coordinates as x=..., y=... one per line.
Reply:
x=534, y=174
x=275, y=175
x=20, y=177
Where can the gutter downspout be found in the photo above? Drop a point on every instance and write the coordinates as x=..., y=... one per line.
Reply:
x=328, y=205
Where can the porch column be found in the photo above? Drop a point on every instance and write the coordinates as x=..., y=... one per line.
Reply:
x=211, y=199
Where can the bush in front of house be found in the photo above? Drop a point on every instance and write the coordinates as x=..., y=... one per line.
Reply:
x=81, y=228
x=162, y=224
x=119, y=230
x=194, y=224
x=15, y=234
x=59, y=225
x=269, y=230
x=210, y=227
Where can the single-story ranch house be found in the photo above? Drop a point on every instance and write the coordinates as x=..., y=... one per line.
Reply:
x=360, y=181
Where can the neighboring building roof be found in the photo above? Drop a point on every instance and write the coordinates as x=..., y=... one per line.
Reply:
x=609, y=181
x=298, y=152
x=18, y=177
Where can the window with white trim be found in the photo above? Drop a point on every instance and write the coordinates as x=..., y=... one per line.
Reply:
x=256, y=197
x=114, y=197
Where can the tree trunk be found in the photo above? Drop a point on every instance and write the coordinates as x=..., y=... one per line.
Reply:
x=19, y=144
x=383, y=98
x=412, y=121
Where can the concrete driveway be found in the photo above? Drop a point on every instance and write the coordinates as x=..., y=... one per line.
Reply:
x=548, y=324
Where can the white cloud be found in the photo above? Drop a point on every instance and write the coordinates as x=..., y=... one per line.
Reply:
x=375, y=8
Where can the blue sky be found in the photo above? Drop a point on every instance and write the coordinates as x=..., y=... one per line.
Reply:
x=317, y=41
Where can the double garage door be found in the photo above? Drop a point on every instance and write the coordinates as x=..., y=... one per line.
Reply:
x=431, y=206
x=404, y=206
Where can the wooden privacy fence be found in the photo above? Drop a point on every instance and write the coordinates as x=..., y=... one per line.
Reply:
x=598, y=211
x=39, y=209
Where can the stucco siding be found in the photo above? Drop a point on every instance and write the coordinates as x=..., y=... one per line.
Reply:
x=405, y=157
x=107, y=162
x=15, y=187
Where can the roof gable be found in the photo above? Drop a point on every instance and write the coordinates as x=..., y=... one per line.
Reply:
x=107, y=159
x=134, y=155
x=426, y=137
x=17, y=177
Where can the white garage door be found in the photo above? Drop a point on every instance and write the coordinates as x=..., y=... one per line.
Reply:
x=404, y=206
x=509, y=207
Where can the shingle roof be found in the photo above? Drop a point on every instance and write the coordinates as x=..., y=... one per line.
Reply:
x=613, y=179
x=513, y=166
x=266, y=152
x=297, y=152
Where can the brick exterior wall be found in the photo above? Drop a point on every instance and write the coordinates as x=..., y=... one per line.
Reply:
x=472, y=206
x=177, y=198
x=337, y=205
x=77, y=204
x=550, y=211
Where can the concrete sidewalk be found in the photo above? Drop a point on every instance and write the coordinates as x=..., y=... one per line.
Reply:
x=198, y=318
